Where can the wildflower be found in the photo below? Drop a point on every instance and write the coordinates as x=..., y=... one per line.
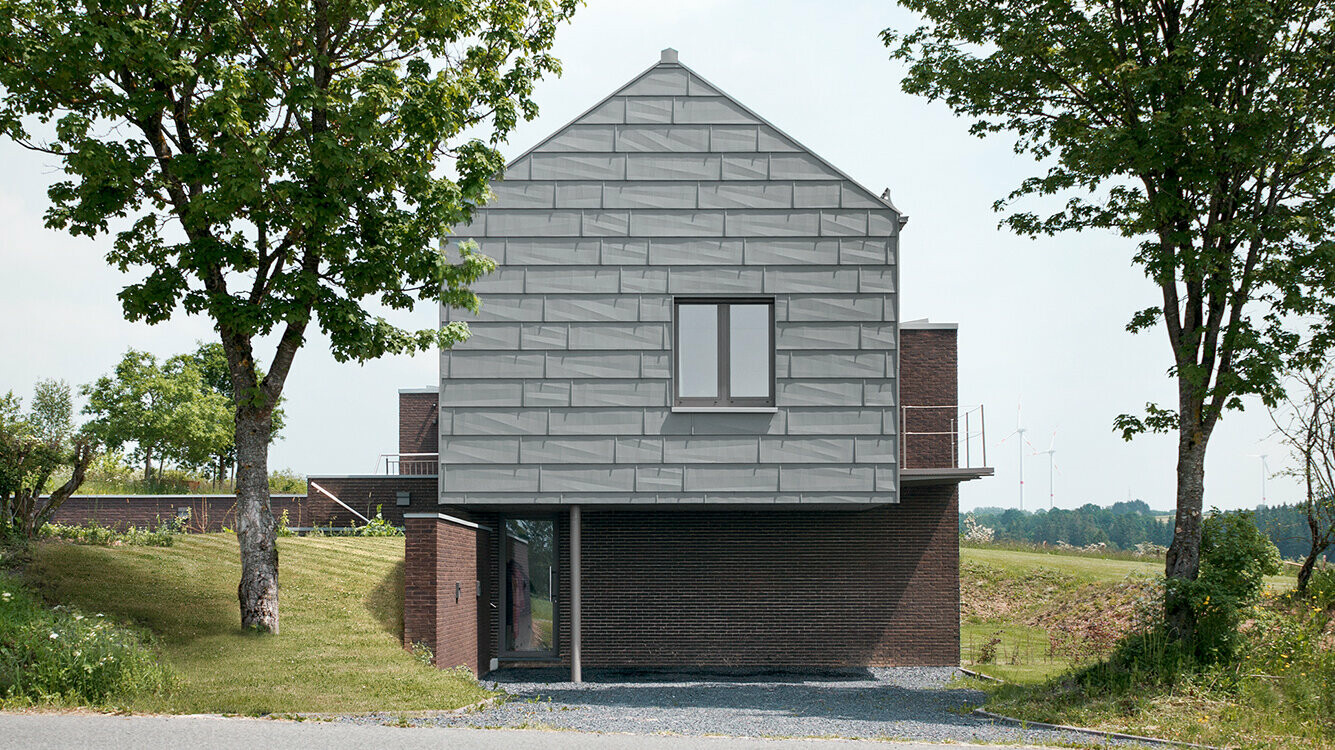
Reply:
x=6, y=596
x=53, y=635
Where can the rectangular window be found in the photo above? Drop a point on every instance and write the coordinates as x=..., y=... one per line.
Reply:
x=529, y=587
x=724, y=352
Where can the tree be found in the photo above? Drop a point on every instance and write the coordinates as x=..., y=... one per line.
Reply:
x=165, y=412
x=1200, y=130
x=1309, y=432
x=211, y=361
x=28, y=459
x=280, y=165
x=52, y=414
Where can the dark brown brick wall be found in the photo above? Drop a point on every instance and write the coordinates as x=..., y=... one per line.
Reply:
x=928, y=376
x=442, y=605
x=207, y=512
x=744, y=589
x=418, y=418
x=366, y=494
x=214, y=512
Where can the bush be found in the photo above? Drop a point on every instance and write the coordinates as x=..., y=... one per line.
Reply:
x=61, y=656
x=378, y=526
x=1321, y=587
x=285, y=526
x=164, y=535
x=1235, y=559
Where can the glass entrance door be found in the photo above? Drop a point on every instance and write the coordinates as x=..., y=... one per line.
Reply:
x=529, y=596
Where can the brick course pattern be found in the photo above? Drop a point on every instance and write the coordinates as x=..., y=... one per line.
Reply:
x=419, y=428
x=928, y=376
x=207, y=512
x=712, y=588
x=214, y=512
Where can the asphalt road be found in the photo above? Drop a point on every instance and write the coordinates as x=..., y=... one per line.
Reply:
x=39, y=731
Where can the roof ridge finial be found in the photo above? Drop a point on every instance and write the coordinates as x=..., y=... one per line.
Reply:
x=669, y=56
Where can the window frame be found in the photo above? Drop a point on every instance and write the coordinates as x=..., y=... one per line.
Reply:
x=724, y=399
x=502, y=651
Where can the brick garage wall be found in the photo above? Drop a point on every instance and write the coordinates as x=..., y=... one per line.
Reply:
x=207, y=512
x=731, y=589
x=928, y=376
x=419, y=431
x=744, y=589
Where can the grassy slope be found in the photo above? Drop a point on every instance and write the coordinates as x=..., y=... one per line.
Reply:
x=1022, y=654
x=1087, y=568
x=1188, y=713
x=1038, y=584
x=342, y=610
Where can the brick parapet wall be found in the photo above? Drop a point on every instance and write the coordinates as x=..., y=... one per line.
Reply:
x=928, y=376
x=366, y=494
x=419, y=430
x=207, y=512
x=216, y=512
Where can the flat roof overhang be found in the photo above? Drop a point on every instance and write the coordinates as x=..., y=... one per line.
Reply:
x=942, y=476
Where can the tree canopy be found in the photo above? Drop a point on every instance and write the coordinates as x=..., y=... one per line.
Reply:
x=276, y=166
x=164, y=411
x=1201, y=131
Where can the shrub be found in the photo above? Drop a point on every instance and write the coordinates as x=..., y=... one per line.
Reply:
x=286, y=481
x=62, y=656
x=284, y=527
x=378, y=526
x=164, y=535
x=1321, y=587
x=1235, y=559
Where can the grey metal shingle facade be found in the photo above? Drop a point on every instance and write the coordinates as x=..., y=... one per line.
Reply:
x=668, y=188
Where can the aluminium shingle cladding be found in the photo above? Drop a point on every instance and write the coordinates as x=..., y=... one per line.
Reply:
x=669, y=188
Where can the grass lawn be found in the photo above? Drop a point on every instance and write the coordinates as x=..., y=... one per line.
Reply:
x=341, y=606
x=1084, y=568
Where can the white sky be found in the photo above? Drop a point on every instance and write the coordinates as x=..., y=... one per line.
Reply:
x=1040, y=321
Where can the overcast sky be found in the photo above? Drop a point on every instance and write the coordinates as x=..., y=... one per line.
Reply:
x=1041, y=322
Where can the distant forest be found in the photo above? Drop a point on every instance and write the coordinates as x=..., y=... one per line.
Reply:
x=1124, y=525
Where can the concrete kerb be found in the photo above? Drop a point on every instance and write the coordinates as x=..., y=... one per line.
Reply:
x=470, y=708
x=1021, y=723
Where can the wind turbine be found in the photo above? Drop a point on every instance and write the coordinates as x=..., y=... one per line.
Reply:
x=1265, y=471
x=1052, y=449
x=1020, y=430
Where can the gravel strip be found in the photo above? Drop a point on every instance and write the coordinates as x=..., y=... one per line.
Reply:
x=901, y=703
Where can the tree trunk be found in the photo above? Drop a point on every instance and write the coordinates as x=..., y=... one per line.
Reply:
x=1184, y=554
x=1309, y=564
x=148, y=464
x=255, y=530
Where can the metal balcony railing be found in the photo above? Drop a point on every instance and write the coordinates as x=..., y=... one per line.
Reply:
x=418, y=464
x=942, y=437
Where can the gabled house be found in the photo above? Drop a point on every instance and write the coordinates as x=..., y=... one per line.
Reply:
x=678, y=435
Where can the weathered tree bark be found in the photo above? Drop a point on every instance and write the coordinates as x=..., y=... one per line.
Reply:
x=1183, y=561
x=1309, y=564
x=255, y=529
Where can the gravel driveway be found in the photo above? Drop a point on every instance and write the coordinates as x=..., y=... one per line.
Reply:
x=902, y=703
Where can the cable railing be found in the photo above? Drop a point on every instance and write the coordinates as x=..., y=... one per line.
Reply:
x=417, y=464
x=942, y=437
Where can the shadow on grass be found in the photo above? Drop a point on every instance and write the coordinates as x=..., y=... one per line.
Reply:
x=149, y=593
x=385, y=601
